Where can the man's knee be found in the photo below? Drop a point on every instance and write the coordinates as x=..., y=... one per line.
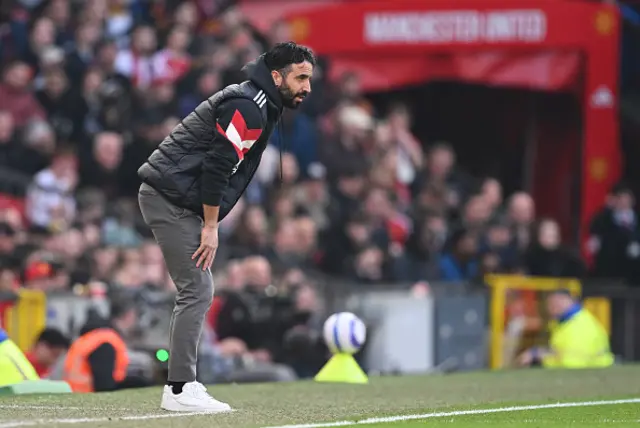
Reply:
x=199, y=292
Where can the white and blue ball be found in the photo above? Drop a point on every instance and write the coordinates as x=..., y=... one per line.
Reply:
x=344, y=333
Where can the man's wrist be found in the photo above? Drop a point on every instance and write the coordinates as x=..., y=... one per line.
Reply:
x=213, y=226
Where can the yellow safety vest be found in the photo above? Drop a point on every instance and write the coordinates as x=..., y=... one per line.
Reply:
x=14, y=365
x=580, y=342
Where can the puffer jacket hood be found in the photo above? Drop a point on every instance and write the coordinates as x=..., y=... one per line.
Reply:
x=258, y=73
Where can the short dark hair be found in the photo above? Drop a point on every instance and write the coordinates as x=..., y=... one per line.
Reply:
x=283, y=55
x=121, y=305
x=441, y=145
x=621, y=188
x=54, y=338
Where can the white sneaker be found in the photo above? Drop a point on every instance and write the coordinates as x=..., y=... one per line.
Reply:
x=193, y=398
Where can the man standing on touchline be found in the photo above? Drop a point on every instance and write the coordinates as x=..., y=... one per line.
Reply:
x=191, y=182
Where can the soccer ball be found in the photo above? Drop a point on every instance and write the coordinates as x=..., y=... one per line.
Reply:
x=344, y=333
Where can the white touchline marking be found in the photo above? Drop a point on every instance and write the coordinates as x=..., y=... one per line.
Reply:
x=34, y=407
x=34, y=422
x=400, y=418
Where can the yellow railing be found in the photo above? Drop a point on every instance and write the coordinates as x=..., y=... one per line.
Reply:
x=501, y=284
x=27, y=318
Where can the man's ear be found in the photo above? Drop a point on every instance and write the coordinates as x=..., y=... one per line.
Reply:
x=277, y=77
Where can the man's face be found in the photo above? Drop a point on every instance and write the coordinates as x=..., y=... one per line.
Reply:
x=47, y=354
x=18, y=76
x=108, y=150
x=440, y=163
x=296, y=85
x=625, y=201
x=128, y=321
x=467, y=246
x=7, y=238
x=558, y=304
x=144, y=40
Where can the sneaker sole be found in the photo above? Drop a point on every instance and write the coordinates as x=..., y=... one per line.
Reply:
x=193, y=410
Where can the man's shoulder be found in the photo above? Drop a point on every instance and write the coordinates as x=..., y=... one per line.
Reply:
x=251, y=103
x=247, y=90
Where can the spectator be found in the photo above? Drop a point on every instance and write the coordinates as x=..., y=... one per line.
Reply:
x=346, y=148
x=81, y=52
x=57, y=100
x=39, y=144
x=492, y=192
x=286, y=249
x=476, y=214
x=346, y=193
x=460, y=262
x=521, y=214
x=547, y=257
x=423, y=248
x=369, y=265
x=440, y=170
x=15, y=94
x=174, y=61
x=50, y=346
x=119, y=22
x=313, y=194
x=102, y=169
x=13, y=155
x=498, y=241
x=103, y=354
x=138, y=62
x=614, y=236
x=208, y=82
x=237, y=319
x=41, y=38
x=60, y=13
x=7, y=247
x=14, y=366
x=252, y=237
x=45, y=274
x=298, y=133
x=50, y=201
x=577, y=341
x=410, y=155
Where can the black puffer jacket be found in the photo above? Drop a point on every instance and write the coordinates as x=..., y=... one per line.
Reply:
x=212, y=155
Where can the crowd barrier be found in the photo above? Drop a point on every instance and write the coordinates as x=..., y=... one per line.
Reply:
x=455, y=326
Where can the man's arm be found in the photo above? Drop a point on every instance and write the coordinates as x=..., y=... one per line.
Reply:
x=239, y=125
x=102, y=362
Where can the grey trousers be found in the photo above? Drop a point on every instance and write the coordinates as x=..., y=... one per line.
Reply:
x=177, y=231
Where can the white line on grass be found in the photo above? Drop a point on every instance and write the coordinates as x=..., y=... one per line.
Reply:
x=400, y=418
x=35, y=422
x=30, y=407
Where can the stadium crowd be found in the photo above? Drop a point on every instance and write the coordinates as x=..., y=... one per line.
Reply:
x=89, y=88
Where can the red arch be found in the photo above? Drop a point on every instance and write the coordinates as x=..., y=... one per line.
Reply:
x=400, y=31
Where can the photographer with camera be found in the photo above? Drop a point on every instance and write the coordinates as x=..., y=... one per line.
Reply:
x=259, y=325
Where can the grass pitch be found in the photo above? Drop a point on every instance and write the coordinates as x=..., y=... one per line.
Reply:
x=597, y=398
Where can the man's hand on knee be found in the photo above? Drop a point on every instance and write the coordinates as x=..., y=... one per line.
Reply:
x=206, y=252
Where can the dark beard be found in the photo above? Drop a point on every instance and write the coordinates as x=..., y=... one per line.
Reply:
x=288, y=97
